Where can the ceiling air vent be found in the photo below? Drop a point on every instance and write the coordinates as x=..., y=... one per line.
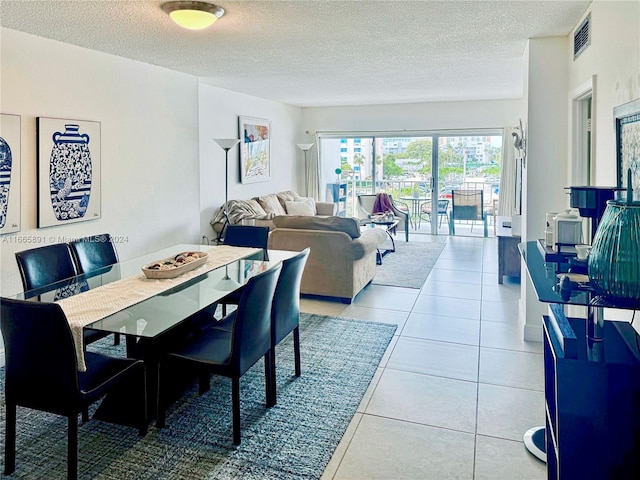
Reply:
x=582, y=37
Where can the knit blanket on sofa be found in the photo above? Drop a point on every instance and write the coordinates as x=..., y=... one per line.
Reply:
x=238, y=210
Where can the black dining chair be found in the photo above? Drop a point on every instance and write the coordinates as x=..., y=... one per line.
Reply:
x=45, y=265
x=228, y=353
x=244, y=236
x=285, y=313
x=91, y=255
x=41, y=373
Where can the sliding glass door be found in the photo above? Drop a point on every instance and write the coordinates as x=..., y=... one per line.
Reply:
x=416, y=170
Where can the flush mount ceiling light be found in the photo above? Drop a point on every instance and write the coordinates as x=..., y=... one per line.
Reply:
x=193, y=15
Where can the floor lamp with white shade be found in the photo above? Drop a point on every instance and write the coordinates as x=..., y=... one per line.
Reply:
x=305, y=147
x=226, y=144
x=226, y=284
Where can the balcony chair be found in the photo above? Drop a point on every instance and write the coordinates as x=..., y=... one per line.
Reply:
x=366, y=204
x=443, y=209
x=227, y=353
x=467, y=205
x=42, y=374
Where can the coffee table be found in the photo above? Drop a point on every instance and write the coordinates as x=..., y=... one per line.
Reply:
x=389, y=227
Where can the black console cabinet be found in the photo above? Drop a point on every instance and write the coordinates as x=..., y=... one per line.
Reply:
x=592, y=381
x=592, y=395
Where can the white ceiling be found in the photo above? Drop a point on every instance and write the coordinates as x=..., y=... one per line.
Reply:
x=320, y=53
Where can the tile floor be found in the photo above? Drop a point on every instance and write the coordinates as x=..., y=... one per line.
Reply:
x=458, y=385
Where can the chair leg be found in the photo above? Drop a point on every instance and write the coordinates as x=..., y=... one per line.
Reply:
x=72, y=447
x=270, y=400
x=274, y=383
x=161, y=402
x=116, y=339
x=235, y=401
x=296, y=350
x=10, y=440
x=85, y=414
x=204, y=383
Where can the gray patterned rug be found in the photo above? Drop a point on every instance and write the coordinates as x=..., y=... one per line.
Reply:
x=293, y=440
x=410, y=265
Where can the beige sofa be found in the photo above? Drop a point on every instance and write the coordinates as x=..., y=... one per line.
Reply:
x=342, y=260
x=262, y=210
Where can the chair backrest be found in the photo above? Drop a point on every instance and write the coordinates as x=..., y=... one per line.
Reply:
x=247, y=236
x=467, y=205
x=93, y=253
x=41, y=364
x=443, y=206
x=45, y=265
x=365, y=205
x=252, y=326
x=285, y=313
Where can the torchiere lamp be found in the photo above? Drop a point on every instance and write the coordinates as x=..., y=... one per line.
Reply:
x=305, y=147
x=226, y=283
x=226, y=144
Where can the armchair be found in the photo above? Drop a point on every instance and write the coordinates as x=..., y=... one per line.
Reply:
x=366, y=204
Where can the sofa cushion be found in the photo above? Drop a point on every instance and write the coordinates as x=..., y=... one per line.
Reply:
x=271, y=204
x=257, y=207
x=300, y=208
x=335, y=224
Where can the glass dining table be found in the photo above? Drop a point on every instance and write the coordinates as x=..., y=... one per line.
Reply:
x=155, y=317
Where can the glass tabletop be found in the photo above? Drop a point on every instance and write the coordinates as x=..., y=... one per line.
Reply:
x=161, y=312
x=545, y=276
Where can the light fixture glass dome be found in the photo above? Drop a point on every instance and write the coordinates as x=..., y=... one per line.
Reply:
x=193, y=15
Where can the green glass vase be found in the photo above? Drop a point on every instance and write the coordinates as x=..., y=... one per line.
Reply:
x=614, y=260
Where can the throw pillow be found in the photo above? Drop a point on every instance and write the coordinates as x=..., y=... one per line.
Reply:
x=300, y=208
x=287, y=196
x=271, y=204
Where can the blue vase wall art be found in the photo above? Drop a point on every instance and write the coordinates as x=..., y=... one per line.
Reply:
x=70, y=173
x=69, y=155
x=5, y=179
x=9, y=173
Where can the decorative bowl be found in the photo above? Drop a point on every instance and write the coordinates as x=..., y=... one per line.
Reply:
x=175, y=266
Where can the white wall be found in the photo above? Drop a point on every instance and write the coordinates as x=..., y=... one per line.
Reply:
x=416, y=116
x=162, y=175
x=614, y=58
x=545, y=174
x=219, y=111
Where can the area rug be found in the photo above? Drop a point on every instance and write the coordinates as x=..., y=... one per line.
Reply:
x=295, y=439
x=409, y=266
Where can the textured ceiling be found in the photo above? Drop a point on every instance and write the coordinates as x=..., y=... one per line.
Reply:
x=320, y=53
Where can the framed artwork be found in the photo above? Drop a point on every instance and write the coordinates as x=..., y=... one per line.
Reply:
x=69, y=165
x=255, y=143
x=10, y=156
x=627, y=125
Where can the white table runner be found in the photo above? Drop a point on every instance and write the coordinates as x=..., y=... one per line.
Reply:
x=100, y=302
